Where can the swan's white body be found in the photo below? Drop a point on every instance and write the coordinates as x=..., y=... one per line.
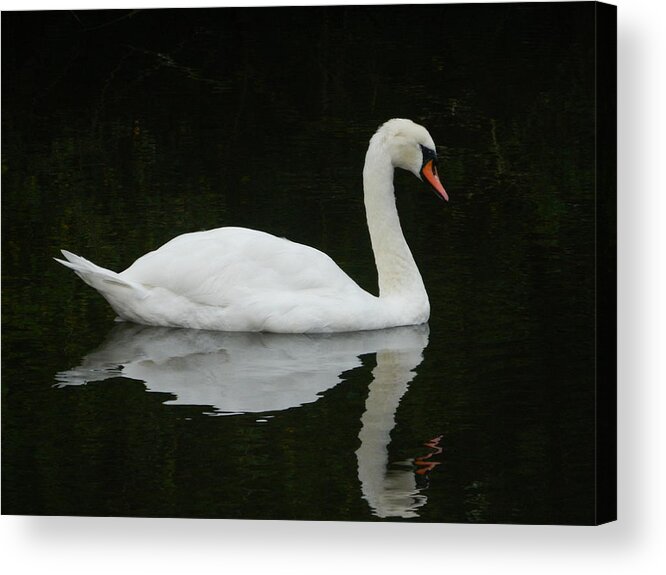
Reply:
x=236, y=279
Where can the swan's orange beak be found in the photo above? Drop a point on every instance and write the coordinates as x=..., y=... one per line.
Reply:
x=429, y=172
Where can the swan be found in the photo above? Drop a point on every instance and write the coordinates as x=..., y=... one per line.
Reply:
x=238, y=279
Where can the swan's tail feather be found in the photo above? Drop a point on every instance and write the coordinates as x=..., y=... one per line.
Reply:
x=101, y=279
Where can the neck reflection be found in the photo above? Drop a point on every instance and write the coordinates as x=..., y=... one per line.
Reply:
x=389, y=489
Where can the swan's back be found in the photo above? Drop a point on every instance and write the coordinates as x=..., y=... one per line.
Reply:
x=233, y=266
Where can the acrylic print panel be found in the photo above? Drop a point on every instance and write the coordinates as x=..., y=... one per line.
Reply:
x=123, y=129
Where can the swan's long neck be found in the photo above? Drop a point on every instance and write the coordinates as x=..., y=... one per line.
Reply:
x=396, y=268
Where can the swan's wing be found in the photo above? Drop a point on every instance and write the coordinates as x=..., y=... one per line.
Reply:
x=232, y=265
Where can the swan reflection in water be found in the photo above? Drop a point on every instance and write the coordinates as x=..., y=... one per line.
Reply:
x=237, y=373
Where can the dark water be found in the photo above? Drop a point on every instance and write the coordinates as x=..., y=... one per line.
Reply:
x=124, y=129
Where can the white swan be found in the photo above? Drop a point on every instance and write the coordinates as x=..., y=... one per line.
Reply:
x=236, y=279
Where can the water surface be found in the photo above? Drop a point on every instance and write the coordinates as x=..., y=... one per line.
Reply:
x=124, y=129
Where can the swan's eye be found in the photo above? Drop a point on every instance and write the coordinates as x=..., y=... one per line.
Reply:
x=428, y=154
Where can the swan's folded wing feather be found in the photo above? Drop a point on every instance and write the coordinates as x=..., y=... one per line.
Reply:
x=237, y=265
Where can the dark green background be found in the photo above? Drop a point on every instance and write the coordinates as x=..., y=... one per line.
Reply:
x=123, y=129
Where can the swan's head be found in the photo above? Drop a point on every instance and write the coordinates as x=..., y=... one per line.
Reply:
x=411, y=148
